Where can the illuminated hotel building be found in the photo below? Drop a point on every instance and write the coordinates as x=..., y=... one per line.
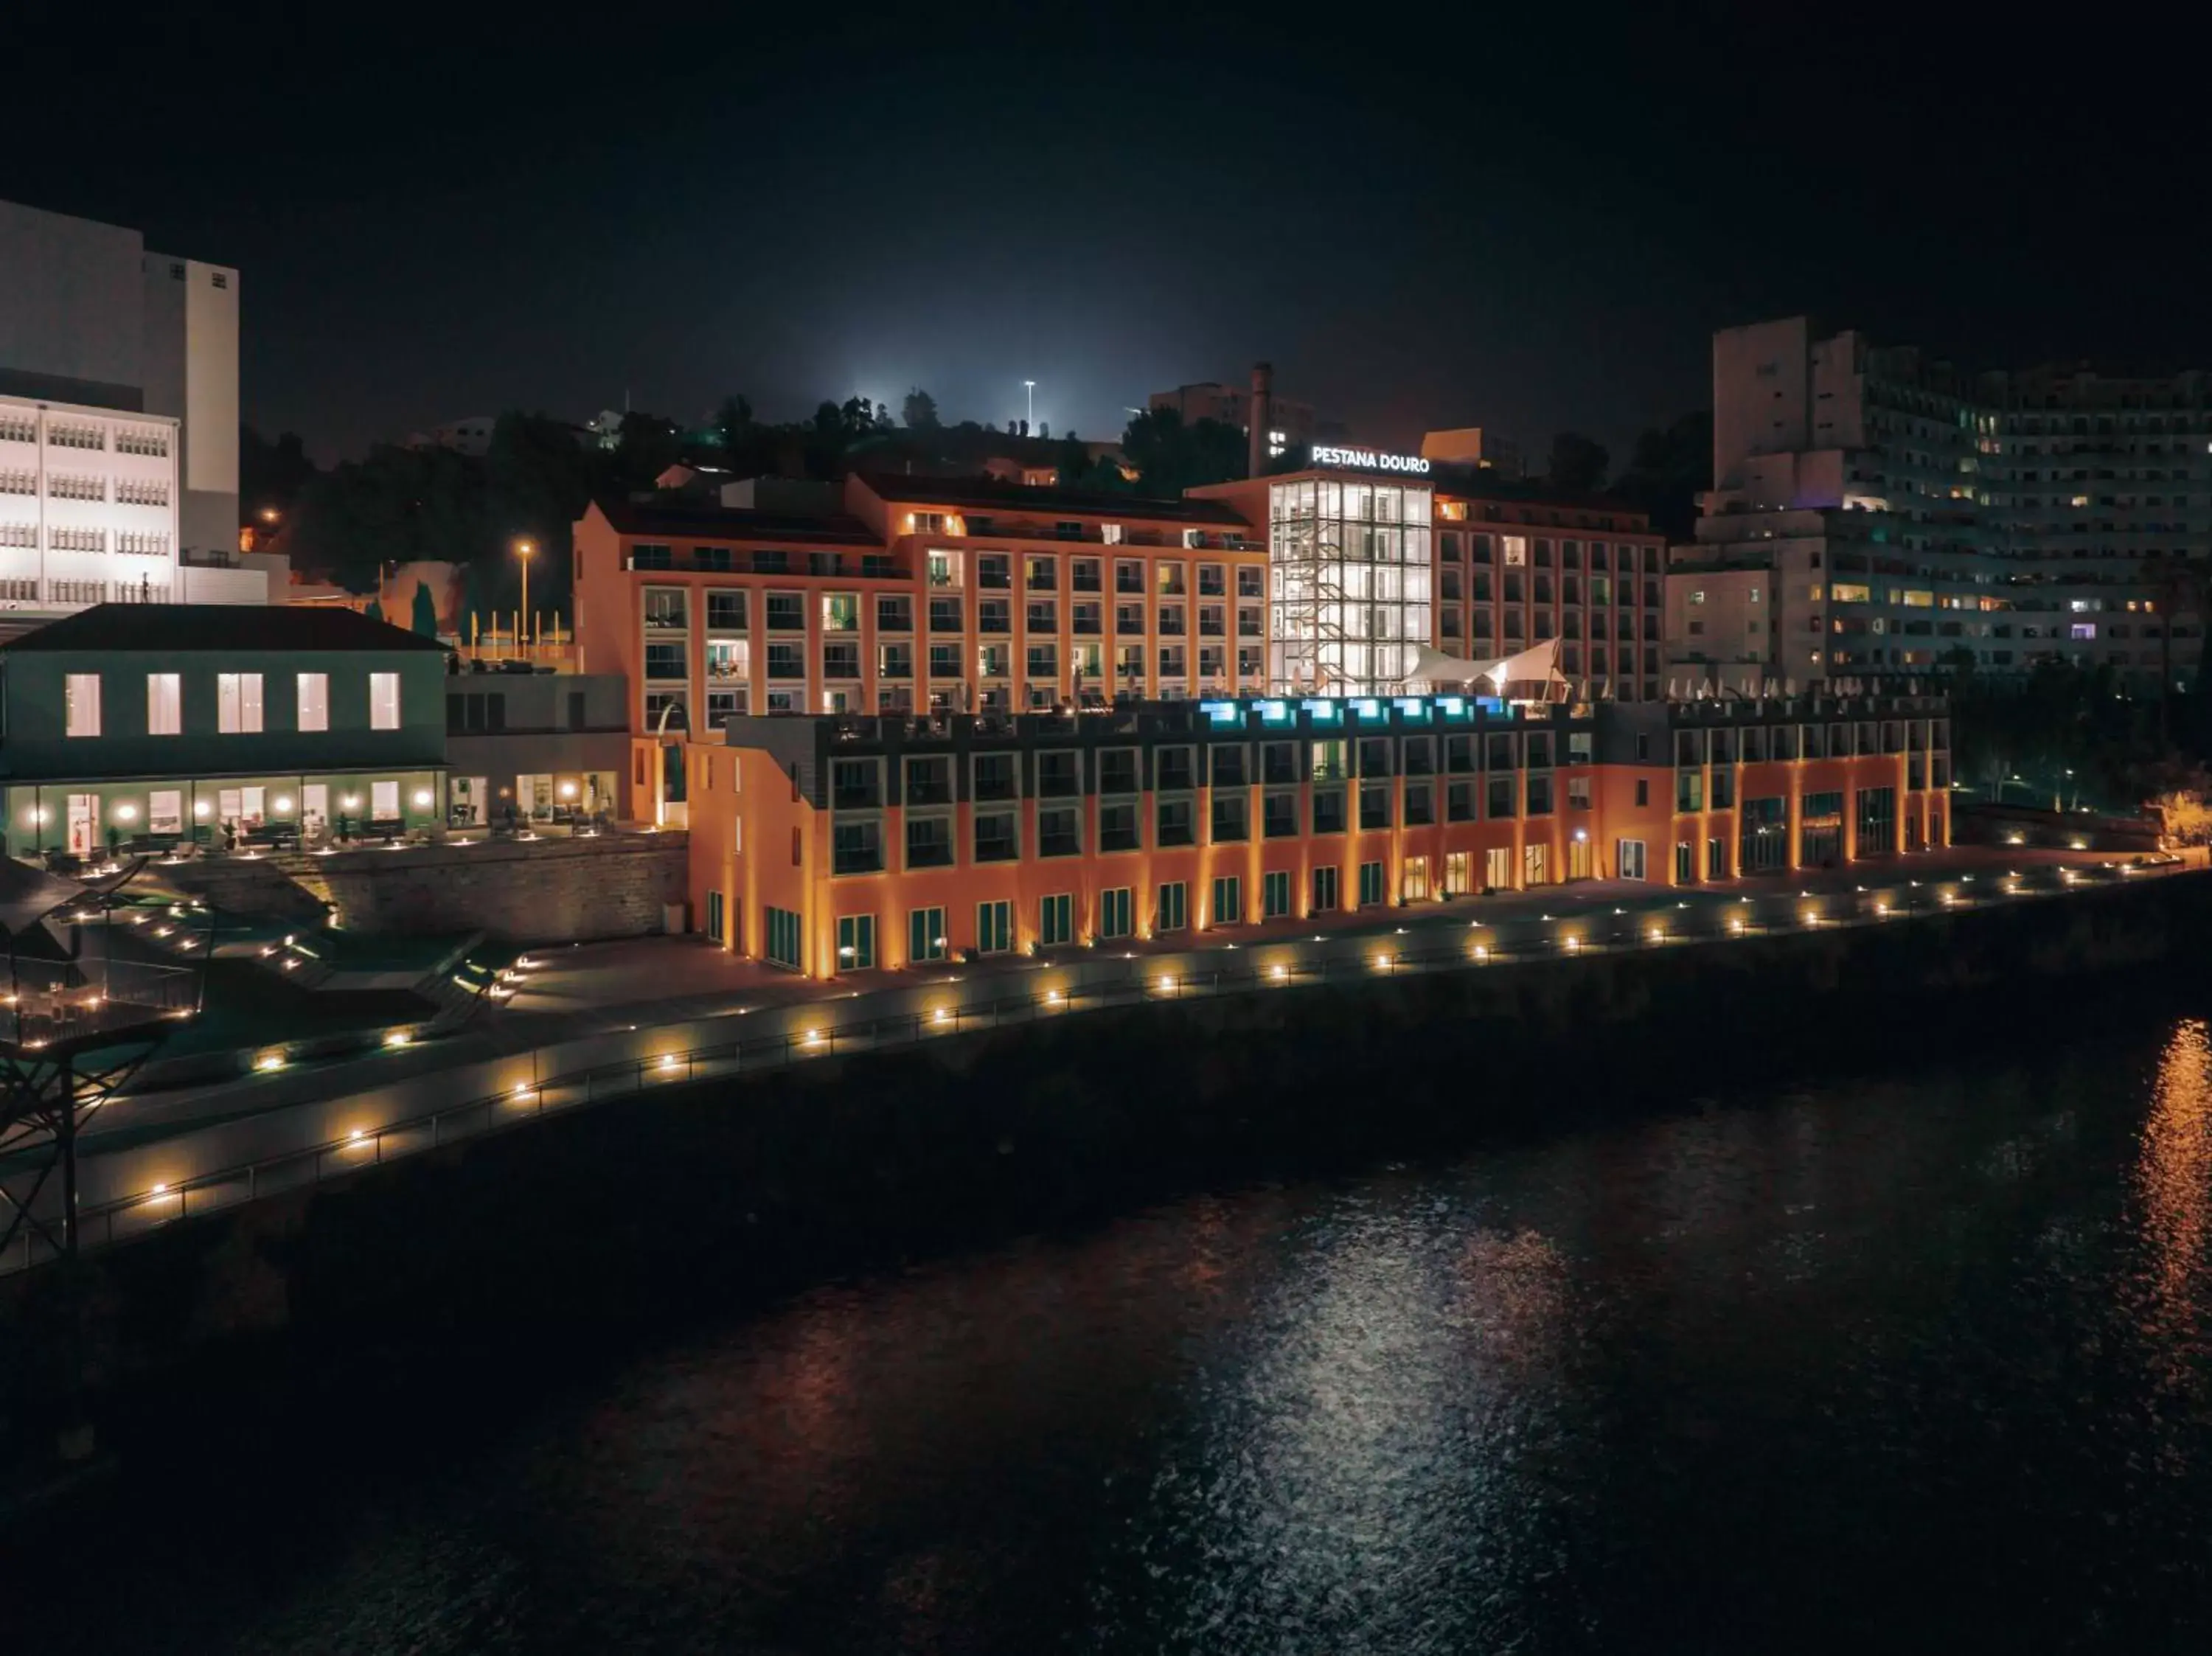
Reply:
x=1878, y=515
x=967, y=595
x=829, y=844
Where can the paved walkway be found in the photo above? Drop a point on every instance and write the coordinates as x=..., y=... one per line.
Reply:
x=667, y=978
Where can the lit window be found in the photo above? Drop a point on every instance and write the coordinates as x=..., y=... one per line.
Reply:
x=314, y=701
x=164, y=705
x=384, y=701
x=82, y=692
x=237, y=703
x=384, y=796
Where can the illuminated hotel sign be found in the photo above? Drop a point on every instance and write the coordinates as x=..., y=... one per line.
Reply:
x=1368, y=459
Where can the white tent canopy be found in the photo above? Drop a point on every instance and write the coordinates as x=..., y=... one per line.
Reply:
x=1532, y=676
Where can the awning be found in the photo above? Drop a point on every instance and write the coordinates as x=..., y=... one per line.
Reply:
x=1532, y=676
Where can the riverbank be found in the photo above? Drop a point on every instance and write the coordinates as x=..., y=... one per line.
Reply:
x=630, y=1208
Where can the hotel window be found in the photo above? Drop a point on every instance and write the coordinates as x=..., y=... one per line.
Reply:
x=1375, y=805
x=1055, y=920
x=383, y=702
x=384, y=801
x=1228, y=900
x=1117, y=828
x=1275, y=894
x=928, y=842
x=840, y=612
x=1324, y=890
x=164, y=705
x=1420, y=804
x=1231, y=818
x=237, y=703
x=1172, y=914
x=1459, y=802
x=1279, y=818
x=997, y=840
x=856, y=942
x=1114, y=912
x=1458, y=873
x=925, y=935
x=1059, y=832
x=165, y=811
x=314, y=691
x=1172, y=825
x=994, y=928
x=782, y=941
x=1371, y=884
x=856, y=848
x=1499, y=805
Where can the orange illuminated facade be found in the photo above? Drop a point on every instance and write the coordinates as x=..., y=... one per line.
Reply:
x=925, y=594
x=840, y=844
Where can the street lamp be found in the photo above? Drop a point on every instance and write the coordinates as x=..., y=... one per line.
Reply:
x=522, y=551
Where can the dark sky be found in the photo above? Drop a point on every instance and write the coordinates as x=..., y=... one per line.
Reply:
x=1525, y=223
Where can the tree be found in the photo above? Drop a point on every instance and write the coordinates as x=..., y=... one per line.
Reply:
x=2180, y=590
x=648, y=446
x=733, y=423
x=397, y=505
x=537, y=481
x=919, y=410
x=270, y=475
x=1171, y=456
x=426, y=610
x=1668, y=470
x=1577, y=464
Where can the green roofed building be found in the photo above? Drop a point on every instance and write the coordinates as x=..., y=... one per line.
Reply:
x=146, y=724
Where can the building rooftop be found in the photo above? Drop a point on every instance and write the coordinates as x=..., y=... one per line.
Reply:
x=678, y=519
x=988, y=493
x=196, y=627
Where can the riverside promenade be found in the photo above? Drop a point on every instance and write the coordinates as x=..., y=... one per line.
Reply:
x=578, y=1025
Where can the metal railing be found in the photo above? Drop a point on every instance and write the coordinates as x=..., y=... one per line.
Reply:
x=1259, y=966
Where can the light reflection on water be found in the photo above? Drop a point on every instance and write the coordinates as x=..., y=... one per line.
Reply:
x=1893, y=1365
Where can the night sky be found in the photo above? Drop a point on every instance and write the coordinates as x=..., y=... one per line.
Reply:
x=1421, y=221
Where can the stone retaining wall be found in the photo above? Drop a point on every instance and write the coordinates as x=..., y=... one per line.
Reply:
x=513, y=890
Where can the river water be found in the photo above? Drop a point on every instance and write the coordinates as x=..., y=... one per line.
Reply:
x=1896, y=1363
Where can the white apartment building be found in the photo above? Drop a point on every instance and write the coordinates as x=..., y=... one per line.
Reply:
x=118, y=419
x=1874, y=514
x=88, y=507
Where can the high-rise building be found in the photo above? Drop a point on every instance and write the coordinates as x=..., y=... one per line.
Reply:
x=119, y=419
x=1876, y=514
